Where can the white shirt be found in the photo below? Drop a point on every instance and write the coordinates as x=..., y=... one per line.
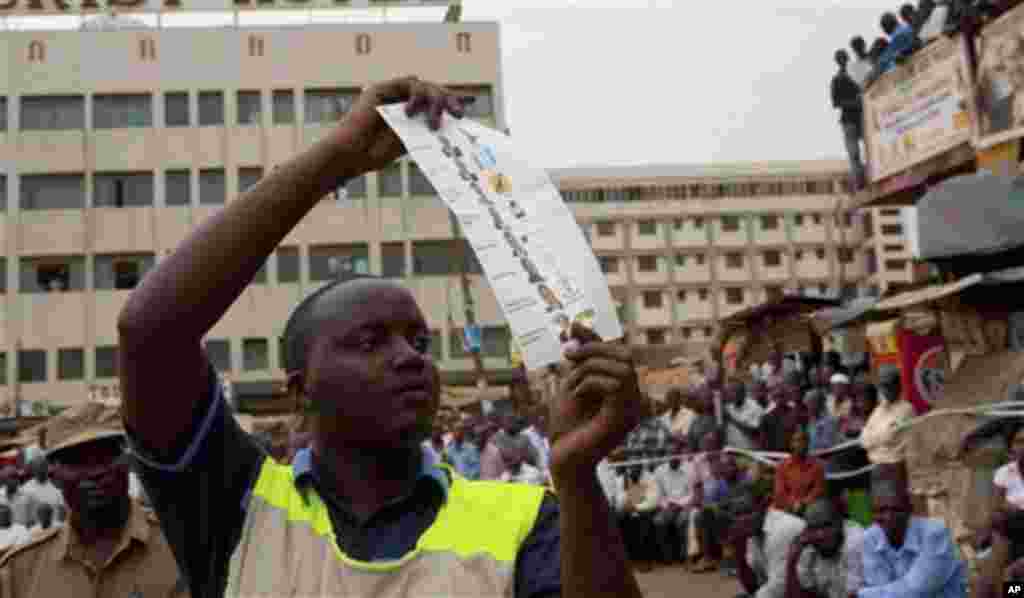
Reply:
x=681, y=423
x=839, y=576
x=22, y=506
x=651, y=493
x=674, y=485
x=613, y=485
x=540, y=445
x=880, y=441
x=768, y=554
x=13, y=536
x=528, y=474
x=748, y=414
x=934, y=25
x=859, y=71
x=1009, y=479
x=45, y=492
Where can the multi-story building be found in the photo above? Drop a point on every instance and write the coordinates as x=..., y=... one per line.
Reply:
x=115, y=144
x=684, y=246
x=889, y=260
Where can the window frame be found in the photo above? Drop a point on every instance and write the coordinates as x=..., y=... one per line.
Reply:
x=176, y=96
x=653, y=304
x=205, y=121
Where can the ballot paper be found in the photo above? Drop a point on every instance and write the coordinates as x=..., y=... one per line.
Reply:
x=532, y=251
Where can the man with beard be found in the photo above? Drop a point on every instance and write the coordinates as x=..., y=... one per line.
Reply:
x=826, y=560
x=111, y=548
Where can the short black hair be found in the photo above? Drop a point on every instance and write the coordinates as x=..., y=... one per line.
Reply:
x=858, y=42
x=299, y=329
x=888, y=22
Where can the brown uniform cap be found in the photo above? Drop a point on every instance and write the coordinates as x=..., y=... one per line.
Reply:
x=53, y=563
x=94, y=434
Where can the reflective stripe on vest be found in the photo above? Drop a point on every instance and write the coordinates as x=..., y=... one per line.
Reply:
x=288, y=547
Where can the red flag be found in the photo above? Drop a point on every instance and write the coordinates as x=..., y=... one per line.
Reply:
x=922, y=368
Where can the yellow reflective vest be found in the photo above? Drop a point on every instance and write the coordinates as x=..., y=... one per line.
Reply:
x=288, y=547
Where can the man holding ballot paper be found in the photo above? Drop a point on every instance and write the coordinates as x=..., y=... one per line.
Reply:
x=362, y=511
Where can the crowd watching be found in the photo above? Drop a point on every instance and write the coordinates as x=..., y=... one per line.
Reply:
x=798, y=529
x=902, y=33
x=834, y=518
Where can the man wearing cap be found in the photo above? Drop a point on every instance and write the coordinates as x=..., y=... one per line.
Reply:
x=111, y=548
x=837, y=402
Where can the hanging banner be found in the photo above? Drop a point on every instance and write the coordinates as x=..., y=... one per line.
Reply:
x=922, y=368
x=919, y=109
x=1000, y=80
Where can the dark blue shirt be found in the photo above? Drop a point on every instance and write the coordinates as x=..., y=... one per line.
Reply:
x=901, y=43
x=201, y=493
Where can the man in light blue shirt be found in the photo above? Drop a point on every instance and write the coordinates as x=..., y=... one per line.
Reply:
x=464, y=454
x=908, y=556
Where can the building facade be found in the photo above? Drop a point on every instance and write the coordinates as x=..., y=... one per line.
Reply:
x=115, y=144
x=890, y=263
x=684, y=246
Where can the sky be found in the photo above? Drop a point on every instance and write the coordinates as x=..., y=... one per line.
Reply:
x=623, y=82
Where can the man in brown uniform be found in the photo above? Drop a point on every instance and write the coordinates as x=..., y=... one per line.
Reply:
x=112, y=547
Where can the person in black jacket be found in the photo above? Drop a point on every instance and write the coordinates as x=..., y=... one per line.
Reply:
x=847, y=99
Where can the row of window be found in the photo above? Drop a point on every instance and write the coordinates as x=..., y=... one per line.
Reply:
x=728, y=223
x=655, y=299
x=147, y=45
x=733, y=260
x=659, y=336
x=711, y=190
x=32, y=364
x=124, y=271
x=136, y=189
x=133, y=110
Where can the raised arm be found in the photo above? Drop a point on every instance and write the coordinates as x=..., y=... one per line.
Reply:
x=163, y=372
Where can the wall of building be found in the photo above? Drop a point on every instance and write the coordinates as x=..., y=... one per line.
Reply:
x=73, y=332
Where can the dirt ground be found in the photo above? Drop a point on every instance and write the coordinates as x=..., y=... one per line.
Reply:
x=669, y=582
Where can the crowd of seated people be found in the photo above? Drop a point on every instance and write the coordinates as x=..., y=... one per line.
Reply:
x=678, y=505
